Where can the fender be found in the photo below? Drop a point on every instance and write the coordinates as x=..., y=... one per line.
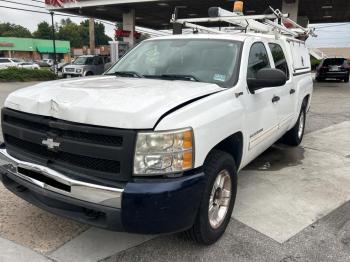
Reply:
x=212, y=119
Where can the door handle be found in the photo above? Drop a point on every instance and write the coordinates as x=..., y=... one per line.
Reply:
x=292, y=91
x=275, y=99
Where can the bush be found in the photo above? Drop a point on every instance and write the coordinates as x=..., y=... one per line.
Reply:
x=314, y=63
x=13, y=74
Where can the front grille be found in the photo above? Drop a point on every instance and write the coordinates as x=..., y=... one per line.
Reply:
x=92, y=152
x=70, y=70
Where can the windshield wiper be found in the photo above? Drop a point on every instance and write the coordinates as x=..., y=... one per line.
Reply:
x=128, y=74
x=174, y=77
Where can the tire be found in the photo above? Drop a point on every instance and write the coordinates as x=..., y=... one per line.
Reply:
x=294, y=137
x=218, y=165
x=346, y=80
x=89, y=74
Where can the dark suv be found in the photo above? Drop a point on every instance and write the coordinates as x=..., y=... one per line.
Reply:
x=333, y=68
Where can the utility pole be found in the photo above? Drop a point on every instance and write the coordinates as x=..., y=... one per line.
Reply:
x=54, y=43
x=92, y=35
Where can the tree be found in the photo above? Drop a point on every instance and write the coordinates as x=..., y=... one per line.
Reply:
x=66, y=21
x=78, y=35
x=12, y=30
x=100, y=36
x=44, y=31
x=71, y=32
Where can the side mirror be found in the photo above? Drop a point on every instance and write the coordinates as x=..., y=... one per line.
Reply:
x=267, y=77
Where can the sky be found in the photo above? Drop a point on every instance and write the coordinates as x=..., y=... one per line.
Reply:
x=31, y=20
x=329, y=35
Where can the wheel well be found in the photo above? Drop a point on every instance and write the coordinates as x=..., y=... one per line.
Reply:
x=232, y=145
x=306, y=101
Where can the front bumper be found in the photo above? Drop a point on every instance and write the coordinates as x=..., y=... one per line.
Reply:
x=73, y=74
x=148, y=206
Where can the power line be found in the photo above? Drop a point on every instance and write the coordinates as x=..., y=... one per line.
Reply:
x=47, y=13
x=12, y=2
x=21, y=9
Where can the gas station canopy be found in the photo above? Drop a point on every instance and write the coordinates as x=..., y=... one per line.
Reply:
x=157, y=13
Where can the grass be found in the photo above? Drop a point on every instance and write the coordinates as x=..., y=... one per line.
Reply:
x=14, y=74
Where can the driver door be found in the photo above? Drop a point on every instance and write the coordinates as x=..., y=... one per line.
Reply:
x=261, y=111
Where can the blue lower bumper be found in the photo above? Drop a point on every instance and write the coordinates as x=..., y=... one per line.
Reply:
x=161, y=206
x=149, y=206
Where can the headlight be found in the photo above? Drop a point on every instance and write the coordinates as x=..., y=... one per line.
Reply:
x=79, y=71
x=160, y=153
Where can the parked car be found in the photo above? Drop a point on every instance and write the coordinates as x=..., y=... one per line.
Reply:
x=9, y=62
x=48, y=61
x=42, y=63
x=155, y=144
x=60, y=66
x=28, y=65
x=333, y=68
x=85, y=66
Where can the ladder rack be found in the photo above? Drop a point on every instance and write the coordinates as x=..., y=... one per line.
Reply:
x=267, y=24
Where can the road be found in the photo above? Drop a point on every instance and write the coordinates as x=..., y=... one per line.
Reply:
x=292, y=205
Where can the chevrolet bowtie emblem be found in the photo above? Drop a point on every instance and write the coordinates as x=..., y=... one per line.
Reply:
x=50, y=143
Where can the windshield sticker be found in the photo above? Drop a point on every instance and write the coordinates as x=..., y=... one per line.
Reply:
x=218, y=77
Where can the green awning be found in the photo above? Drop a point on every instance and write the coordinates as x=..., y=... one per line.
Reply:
x=49, y=49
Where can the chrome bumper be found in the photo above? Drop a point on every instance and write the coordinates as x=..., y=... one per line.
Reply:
x=96, y=194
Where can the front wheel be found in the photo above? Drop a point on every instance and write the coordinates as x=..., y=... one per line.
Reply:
x=218, y=198
x=294, y=136
x=346, y=80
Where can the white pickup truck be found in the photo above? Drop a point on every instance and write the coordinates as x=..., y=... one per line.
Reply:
x=155, y=144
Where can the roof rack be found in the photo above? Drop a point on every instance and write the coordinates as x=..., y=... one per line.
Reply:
x=276, y=23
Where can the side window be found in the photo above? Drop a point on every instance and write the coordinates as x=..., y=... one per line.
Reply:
x=96, y=60
x=279, y=58
x=4, y=60
x=258, y=59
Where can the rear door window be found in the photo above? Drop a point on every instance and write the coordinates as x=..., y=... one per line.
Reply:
x=98, y=61
x=279, y=58
x=258, y=59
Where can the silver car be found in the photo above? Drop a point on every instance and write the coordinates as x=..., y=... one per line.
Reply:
x=86, y=65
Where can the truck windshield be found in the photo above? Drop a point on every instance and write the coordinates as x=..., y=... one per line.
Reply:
x=83, y=61
x=202, y=60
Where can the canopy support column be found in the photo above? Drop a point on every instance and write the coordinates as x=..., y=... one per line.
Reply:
x=129, y=25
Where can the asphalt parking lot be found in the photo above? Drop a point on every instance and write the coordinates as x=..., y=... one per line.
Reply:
x=293, y=204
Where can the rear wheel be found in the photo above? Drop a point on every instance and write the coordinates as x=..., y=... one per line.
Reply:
x=294, y=136
x=218, y=198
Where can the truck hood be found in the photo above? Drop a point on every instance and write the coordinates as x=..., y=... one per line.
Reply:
x=110, y=101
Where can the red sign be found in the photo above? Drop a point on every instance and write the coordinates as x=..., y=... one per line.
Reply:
x=6, y=44
x=124, y=33
x=58, y=3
